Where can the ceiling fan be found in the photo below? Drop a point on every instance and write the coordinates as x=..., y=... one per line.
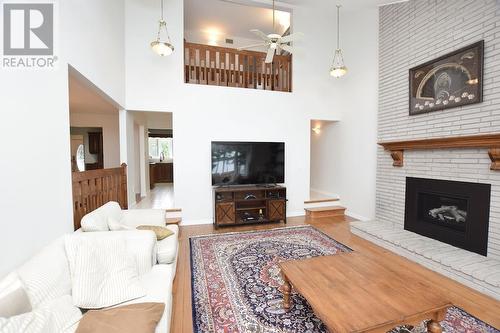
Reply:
x=273, y=41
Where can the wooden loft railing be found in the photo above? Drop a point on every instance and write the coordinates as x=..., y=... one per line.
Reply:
x=220, y=66
x=94, y=188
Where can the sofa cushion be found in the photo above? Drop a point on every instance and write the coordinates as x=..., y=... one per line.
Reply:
x=141, y=245
x=103, y=273
x=158, y=283
x=98, y=219
x=133, y=318
x=167, y=248
x=115, y=225
x=57, y=315
x=46, y=275
x=13, y=297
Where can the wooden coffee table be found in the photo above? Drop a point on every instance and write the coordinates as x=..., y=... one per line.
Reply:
x=353, y=293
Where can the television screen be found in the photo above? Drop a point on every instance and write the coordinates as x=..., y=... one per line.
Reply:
x=240, y=163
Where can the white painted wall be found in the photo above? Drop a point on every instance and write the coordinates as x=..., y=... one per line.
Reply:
x=110, y=133
x=35, y=206
x=199, y=37
x=204, y=113
x=344, y=156
x=136, y=137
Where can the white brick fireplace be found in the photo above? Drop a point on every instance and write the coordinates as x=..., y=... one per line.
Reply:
x=411, y=33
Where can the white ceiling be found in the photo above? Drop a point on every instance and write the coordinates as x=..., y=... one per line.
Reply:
x=83, y=98
x=228, y=19
x=220, y=19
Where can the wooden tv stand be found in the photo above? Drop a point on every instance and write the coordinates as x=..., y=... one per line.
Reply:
x=234, y=205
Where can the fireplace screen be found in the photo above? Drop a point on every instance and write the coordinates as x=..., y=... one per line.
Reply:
x=443, y=210
x=452, y=212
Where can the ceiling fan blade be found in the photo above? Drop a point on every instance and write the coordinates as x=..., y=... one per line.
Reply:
x=290, y=38
x=250, y=46
x=260, y=34
x=287, y=48
x=270, y=56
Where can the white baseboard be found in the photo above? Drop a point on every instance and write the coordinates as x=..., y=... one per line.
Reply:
x=196, y=222
x=324, y=193
x=356, y=216
x=295, y=213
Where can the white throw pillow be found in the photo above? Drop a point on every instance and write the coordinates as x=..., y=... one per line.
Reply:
x=115, y=225
x=53, y=316
x=13, y=297
x=102, y=271
x=46, y=275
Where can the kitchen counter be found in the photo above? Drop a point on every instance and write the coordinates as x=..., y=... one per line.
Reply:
x=161, y=172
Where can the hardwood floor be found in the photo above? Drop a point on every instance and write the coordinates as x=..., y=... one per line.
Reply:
x=477, y=304
x=161, y=197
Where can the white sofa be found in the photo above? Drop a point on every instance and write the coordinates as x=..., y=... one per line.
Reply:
x=99, y=220
x=46, y=276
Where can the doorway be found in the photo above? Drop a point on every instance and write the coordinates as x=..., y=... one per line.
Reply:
x=153, y=159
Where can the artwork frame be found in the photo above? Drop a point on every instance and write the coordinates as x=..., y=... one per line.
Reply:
x=449, y=81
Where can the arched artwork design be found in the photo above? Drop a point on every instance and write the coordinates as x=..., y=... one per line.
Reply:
x=449, y=81
x=443, y=81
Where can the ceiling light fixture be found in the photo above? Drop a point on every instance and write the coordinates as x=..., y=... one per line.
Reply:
x=338, y=68
x=165, y=47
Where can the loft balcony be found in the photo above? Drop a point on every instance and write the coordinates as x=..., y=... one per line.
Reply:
x=227, y=67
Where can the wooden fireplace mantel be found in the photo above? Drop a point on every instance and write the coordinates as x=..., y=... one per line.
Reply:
x=489, y=141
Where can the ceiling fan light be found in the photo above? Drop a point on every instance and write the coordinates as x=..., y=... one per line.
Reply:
x=162, y=48
x=273, y=45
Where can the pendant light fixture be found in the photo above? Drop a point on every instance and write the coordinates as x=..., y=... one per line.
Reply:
x=162, y=47
x=338, y=68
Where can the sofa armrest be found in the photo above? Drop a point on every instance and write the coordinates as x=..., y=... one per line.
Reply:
x=136, y=217
x=168, y=247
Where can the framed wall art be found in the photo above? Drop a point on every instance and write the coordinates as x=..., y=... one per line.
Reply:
x=452, y=80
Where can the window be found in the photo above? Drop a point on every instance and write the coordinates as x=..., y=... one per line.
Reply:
x=161, y=148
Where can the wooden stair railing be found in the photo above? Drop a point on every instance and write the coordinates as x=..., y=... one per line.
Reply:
x=220, y=66
x=94, y=188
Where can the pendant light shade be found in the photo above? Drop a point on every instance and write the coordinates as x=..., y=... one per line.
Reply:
x=162, y=47
x=338, y=68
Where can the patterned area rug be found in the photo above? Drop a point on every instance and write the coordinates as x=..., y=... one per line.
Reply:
x=236, y=280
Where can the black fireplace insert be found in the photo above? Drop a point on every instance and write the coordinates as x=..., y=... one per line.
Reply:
x=453, y=212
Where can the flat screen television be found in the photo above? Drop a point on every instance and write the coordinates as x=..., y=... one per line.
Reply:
x=248, y=163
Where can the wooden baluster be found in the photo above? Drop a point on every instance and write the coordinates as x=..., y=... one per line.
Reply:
x=232, y=81
x=203, y=66
x=192, y=65
x=218, y=68
x=279, y=73
x=222, y=68
x=212, y=79
x=237, y=77
x=186, y=63
x=198, y=66
x=249, y=71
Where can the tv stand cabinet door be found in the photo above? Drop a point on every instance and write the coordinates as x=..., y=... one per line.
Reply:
x=276, y=210
x=225, y=213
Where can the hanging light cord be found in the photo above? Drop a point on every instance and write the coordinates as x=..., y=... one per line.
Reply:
x=274, y=9
x=162, y=11
x=338, y=27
